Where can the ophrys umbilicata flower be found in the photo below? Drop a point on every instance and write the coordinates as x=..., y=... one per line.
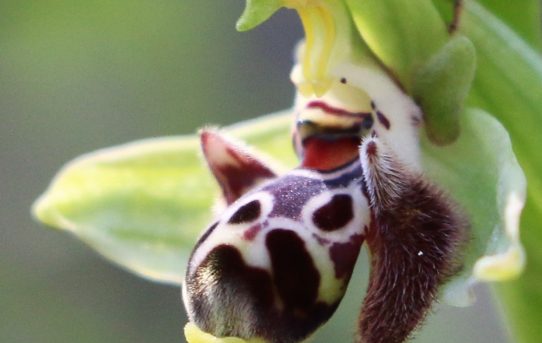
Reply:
x=477, y=166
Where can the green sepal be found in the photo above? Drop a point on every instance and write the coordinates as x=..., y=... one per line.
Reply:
x=142, y=205
x=256, y=12
x=403, y=34
x=441, y=87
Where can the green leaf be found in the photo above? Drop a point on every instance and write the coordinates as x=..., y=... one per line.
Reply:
x=403, y=34
x=482, y=174
x=508, y=83
x=143, y=204
x=522, y=16
x=441, y=86
x=256, y=12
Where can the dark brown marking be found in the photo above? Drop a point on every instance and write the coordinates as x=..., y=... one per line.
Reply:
x=335, y=214
x=204, y=237
x=458, y=10
x=246, y=213
x=344, y=256
x=328, y=109
x=372, y=149
x=343, y=80
x=383, y=119
x=296, y=278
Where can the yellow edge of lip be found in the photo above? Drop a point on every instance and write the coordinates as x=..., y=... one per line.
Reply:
x=501, y=267
x=194, y=334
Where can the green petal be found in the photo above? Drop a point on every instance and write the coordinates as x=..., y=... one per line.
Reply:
x=143, y=204
x=482, y=174
x=441, y=86
x=403, y=34
x=256, y=12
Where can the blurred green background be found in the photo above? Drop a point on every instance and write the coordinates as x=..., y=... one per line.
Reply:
x=76, y=76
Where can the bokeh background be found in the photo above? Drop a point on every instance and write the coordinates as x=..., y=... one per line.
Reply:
x=76, y=76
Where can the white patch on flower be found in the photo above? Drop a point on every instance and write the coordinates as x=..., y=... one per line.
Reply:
x=363, y=88
x=227, y=233
x=400, y=109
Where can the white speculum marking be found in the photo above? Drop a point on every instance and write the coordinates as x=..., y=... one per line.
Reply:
x=318, y=242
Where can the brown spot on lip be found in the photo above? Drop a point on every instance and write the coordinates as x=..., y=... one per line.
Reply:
x=344, y=256
x=296, y=278
x=337, y=111
x=383, y=119
x=335, y=214
x=246, y=213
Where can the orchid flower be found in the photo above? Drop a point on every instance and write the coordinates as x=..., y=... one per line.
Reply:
x=452, y=90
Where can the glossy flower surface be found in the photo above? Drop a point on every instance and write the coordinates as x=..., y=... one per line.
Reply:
x=411, y=60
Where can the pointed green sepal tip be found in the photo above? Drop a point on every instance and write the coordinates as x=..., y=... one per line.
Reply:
x=256, y=12
x=43, y=213
x=441, y=86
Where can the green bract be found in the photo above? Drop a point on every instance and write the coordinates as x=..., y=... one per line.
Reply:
x=142, y=205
